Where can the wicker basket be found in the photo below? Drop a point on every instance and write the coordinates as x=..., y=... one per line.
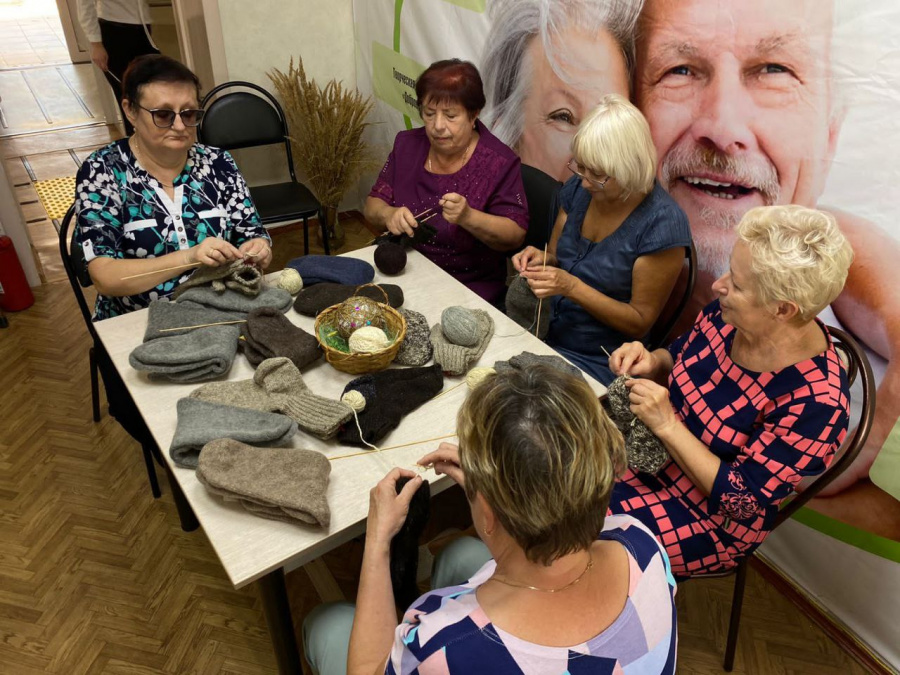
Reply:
x=359, y=363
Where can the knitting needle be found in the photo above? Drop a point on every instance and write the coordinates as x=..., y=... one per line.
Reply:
x=447, y=391
x=202, y=325
x=166, y=269
x=393, y=447
x=419, y=215
x=428, y=217
x=608, y=355
x=537, y=326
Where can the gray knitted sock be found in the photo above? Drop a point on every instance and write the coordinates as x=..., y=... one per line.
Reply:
x=282, y=483
x=416, y=349
x=200, y=422
x=241, y=394
x=232, y=301
x=526, y=360
x=456, y=359
x=522, y=307
x=194, y=356
x=163, y=315
x=314, y=414
x=645, y=452
x=268, y=333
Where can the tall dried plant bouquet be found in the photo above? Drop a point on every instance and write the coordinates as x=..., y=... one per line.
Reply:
x=326, y=132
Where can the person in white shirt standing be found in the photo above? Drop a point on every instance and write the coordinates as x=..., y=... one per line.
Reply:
x=118, y=30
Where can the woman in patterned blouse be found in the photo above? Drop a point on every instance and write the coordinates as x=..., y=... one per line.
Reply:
x=750, y=401
x=159, y=200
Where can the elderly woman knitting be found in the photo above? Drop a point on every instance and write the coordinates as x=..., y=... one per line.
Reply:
x=455, y=173
x=555, y=587
x=750, y=401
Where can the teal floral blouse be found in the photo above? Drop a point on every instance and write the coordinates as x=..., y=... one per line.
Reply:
x=123, y=212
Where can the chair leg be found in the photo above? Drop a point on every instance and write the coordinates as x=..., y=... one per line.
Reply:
x=737, y=601
x=146, y=448
x=95, y=385
x=306, y=236
x=325, y=238
x=189, y=521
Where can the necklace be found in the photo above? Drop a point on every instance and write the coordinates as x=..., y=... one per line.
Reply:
x=139, y=156
x=464, y=157
x=589, y=565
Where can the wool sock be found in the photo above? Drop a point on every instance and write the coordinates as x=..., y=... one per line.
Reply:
x=241, y=394
x=310, y=301
x=457, y=359
x=232, y=301
x=522, y=307
x=315, y=269
x=200, y=422
x=281, y=483
x=416, y=349
x=526, y=360
x=194, y=356
x=238, y=275
x=317, y=415
x=269, y=333
x=405, y=545
x=163, y=316
x=390, y=395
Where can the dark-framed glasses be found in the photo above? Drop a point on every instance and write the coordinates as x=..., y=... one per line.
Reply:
x=579, y=171
x=164, y=118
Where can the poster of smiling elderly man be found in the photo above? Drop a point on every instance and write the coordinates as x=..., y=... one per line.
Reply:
x=749, y=103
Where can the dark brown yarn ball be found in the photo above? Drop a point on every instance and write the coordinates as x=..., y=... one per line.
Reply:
x=390, y=258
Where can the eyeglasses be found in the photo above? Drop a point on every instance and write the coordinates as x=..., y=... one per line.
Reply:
x=164, y=118
x=578, y=170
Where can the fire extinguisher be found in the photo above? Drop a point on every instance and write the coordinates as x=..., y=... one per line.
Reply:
x=15, y=294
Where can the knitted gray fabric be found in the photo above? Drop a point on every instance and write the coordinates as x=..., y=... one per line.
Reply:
x=232, y=301
x=194, y=356
x=237, y=275
x=200, y=422
x=280, y=483
x=460, y=326
x=269, y=333
x=644, y=450
x=164, y=314
x=456, y=359
x=314, y=414
x=526, y=360
x=522, y=307
x=241, y=394
x=416, y=349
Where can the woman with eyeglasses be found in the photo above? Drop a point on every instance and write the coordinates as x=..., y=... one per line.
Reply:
x=157, y=203
x=618, y=244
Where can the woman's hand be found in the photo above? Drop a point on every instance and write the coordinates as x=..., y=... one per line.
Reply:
x=257, y=251
x=387, y=508
x=650, y=404
x=401, y=221
x=528, y=256
x=632, y=358
x=445, y=461
x=99, y=56
x=455, y=207
x=213, y=252
x=549, y=281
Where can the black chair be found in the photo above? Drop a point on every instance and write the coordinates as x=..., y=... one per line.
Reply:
x=684, y=287
x=858, y=365
x=241, y=119
x=542, y=193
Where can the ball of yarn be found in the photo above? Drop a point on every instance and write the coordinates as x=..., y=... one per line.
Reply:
x=355, y=400
x=290, y=280
x=368, y=339
x=478, y=375
x=357, y=312
x=390, y=258
x=460, y=326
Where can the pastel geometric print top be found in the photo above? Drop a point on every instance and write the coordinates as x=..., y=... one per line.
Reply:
x=446, y=631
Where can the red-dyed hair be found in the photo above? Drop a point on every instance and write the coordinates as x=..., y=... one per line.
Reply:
x=451, y=81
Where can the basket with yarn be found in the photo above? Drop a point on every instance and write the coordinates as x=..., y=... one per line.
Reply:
x=360, y=335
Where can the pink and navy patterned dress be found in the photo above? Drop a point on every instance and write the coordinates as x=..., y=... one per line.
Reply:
x=770, y=430
x=446, y=631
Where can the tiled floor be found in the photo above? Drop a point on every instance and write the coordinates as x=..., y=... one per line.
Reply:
x=31, y=34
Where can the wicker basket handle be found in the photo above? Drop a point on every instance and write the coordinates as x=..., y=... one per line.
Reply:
x=387, y=300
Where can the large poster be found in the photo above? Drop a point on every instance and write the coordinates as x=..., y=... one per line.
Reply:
x=749, y=103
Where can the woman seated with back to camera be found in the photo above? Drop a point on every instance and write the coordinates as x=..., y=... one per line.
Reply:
x=456, y=168
x=159, y=200
x=617, y=247
x=750, y=401
x=555, y=587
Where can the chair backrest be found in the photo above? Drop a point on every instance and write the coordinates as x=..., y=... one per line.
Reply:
x=241, y=119
x=857, y=366
x=542, y=193
x=678, y=300
x=76, y=267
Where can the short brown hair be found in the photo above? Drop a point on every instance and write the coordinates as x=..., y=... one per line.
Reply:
x=451, y=81
x=544, y=455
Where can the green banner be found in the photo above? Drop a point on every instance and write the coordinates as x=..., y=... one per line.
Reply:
x=475, y=5
x=872, y=543
x=394, y=79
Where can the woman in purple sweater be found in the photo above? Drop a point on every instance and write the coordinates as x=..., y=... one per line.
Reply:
x=455, y=168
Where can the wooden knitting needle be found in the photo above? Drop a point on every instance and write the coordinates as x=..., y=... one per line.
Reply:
x=537, y=325
x=165, y=269
x=202, y=325
x=608, y=355
x=419, y=215
x=393, y=447
x=428, y=217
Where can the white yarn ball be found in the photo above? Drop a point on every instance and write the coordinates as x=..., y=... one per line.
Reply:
x=478, y=375
x=368, y=339
x=355, y=400
x=290, y=280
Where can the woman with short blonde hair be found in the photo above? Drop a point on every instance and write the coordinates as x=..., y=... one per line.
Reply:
x=618, y=244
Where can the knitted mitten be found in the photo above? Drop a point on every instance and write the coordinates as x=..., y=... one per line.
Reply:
x=457, y=359
x=405, y=545
x=269, y=333
x=390, y=395
x=416, y=349
x=314, y=414
x=312, y=300
x=644, y=450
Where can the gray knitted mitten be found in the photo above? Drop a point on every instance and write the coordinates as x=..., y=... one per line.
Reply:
x=645, y=451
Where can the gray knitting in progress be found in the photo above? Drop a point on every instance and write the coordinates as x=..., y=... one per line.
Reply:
x=200, y=422
x=644, y=450
x=416, y=349
x=526, y=360
x=238, y=275
x=279, y=483
x=458, y=359
x=232, y=301
x=163, y=315
x=522, y=307
x=197, y=355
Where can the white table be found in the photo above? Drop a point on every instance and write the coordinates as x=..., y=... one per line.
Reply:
x=256, y=549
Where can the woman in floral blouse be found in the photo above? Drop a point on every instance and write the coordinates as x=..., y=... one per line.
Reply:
x=159, y=200
x=750, y=401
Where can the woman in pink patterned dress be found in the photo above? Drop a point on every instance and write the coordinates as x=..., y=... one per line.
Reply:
x=750, y=401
